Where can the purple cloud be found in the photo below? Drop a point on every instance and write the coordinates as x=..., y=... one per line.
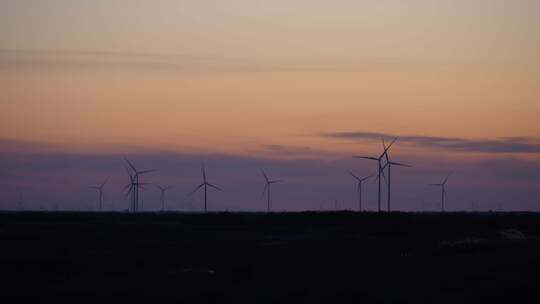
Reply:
x=502, y=145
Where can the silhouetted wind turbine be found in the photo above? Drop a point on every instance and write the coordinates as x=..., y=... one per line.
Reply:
x=205, y=184
x=379, y=160
x=129, y=189
x=163, y=190
x=443, y=190
x=359, y=188
x=133, y=188
x=135, y=184
x=100, y=191
x=389, y=164
x=267, y=188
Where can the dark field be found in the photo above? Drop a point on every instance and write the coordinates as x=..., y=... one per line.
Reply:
x=258, y=258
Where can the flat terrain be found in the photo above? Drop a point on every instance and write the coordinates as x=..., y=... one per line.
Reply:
x=340, y=257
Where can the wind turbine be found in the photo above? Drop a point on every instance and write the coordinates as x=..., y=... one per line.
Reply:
x=135, y=184
x=100, y=191
x=389, y=164
x=163, y=190
x=443, y=190
x=267, y=188
x=359, y=188
x=129, y=189
x=379, y=161
x=205, y=184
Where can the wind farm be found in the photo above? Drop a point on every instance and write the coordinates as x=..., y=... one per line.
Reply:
x=380, y=170
x=345, y=249
x=270, y=151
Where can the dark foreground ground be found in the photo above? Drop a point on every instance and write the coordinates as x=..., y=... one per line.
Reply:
x=278, y=258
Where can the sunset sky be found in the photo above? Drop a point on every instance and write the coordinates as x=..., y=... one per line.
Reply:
x=297, y=87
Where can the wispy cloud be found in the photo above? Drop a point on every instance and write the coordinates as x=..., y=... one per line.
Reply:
x=289, y=151
x=500, y=145
x=8, y=145
x=158, y=61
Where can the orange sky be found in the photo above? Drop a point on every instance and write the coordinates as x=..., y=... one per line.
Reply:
x=191, y=76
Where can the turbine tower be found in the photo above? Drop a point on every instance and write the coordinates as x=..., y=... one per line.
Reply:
x=267, y=188
x=100, y=191
x=163, y=190
x=135, y=184
x=389, y=164
x=379, y=161
x=359, y=187
x=443, y=190
x=205, y=184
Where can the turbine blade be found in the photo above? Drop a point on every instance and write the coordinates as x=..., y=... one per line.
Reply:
x=106, y=180
x=203, y=171
x=400, y=164
x=388, y=148
x=215, y=187
x=435, y=185
x=132, y=178
x=393, y=141
x=384, y=177
x=446, y=179
x=264, y=190
x=196, y=189
x=128, y=190
x=146, y=171
x=367, y=177
x=130, y=164
x=265, y=176
x=385, y=153
x=353, y=175
x=366, y=157
x=276, y=181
